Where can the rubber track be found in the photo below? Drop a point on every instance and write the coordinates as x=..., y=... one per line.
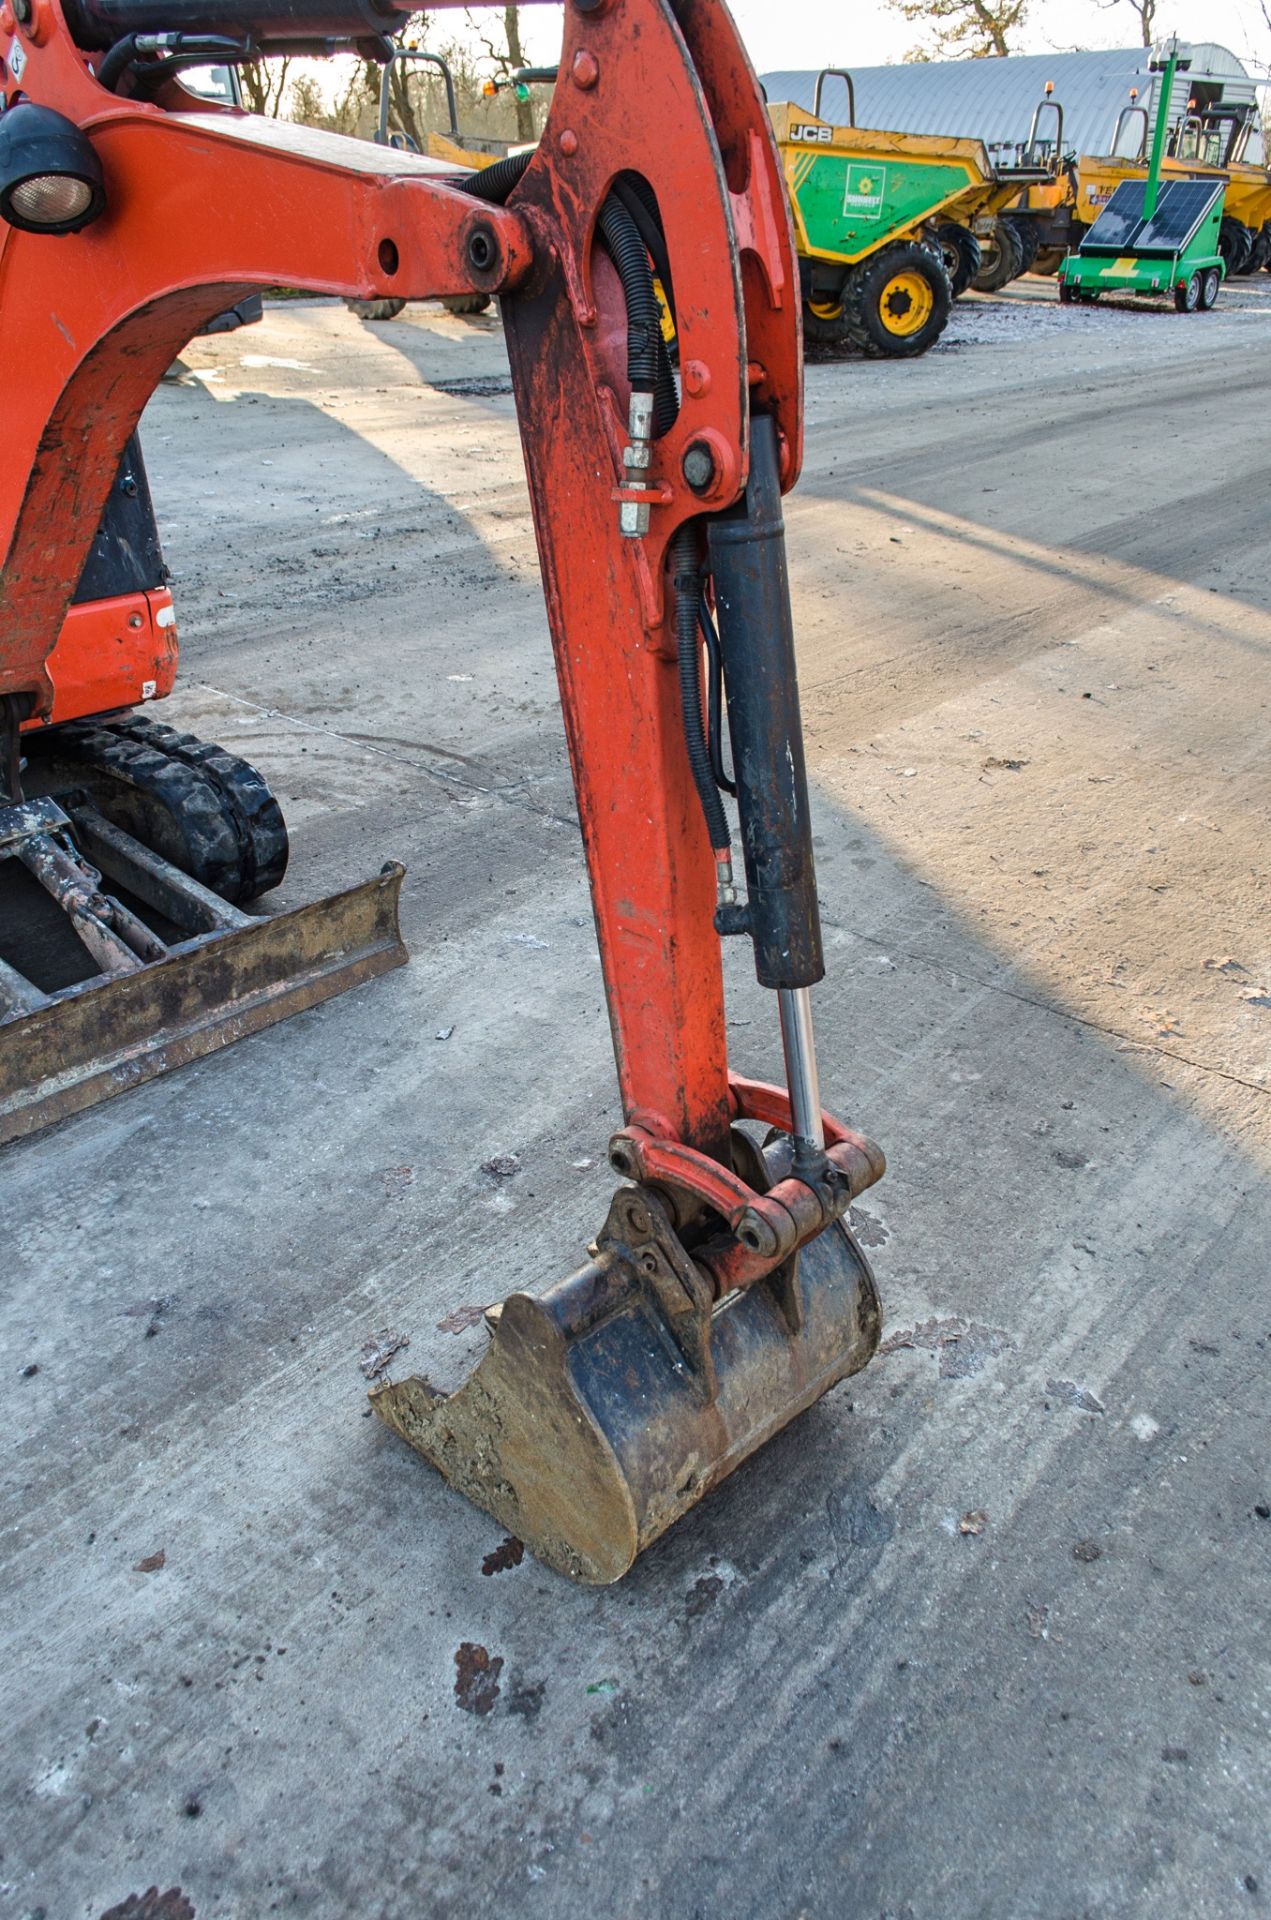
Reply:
x=224, y=825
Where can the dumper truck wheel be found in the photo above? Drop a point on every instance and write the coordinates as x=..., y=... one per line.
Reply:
x=824, y=321
x=1187, y=297
x=466, y=302
x=201, y=807
x=1048, y=260
x=960, y=251
x=1029, y=236
x=1002, y=258
x=1260, y=258
x=896, y=304
x=375, y=309
x=1235, y=244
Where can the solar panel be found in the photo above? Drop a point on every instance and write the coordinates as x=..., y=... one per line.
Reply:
x=1181, y=206
x=1120, y=219
x=1179, y=211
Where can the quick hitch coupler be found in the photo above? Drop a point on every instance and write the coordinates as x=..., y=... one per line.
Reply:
x=756, y=641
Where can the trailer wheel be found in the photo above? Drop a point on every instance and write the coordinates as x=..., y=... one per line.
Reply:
x=1002, y=257
x=466, y=302
x=1049, y=260
x=1209, y=285
x=1187, y=297
x=961, y=254
x=896, y=304
x=375, y=309
x=1067, y=294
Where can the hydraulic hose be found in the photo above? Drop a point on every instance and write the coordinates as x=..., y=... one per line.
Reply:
x=150, y=65
x=648, y=368
x=637, y=197
x=640, y=202
x=715, y=670
x=648, y=365
x=644, y=320
x=117, y=62
x=686, y=574
x=496, y=182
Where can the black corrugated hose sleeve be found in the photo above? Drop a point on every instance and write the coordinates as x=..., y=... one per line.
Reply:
x=496, y=183
x=648, y=367
x=637, y=197
x=644, y=319
x=666, y=398
x=687, y=578
x=632, y=202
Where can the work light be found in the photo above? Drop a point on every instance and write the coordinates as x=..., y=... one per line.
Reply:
x=50, y=177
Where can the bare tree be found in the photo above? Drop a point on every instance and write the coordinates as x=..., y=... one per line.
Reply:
x=264, y=85
x=305, y=104
x=401, y=100
x=505, y=60
x=963, y=29
x=355, y=109
x=1145, y=12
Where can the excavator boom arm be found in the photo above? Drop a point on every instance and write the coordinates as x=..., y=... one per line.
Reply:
x=656, y=496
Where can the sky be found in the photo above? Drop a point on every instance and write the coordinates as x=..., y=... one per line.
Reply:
x=819, y=33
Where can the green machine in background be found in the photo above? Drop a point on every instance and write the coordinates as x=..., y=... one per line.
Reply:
x=1154, y=236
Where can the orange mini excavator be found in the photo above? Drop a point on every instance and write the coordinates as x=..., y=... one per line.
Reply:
x=724, y=1292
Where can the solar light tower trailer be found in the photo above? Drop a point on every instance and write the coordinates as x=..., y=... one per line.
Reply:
x=1154, y=236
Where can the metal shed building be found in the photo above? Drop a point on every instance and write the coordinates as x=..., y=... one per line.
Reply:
x=993, y=100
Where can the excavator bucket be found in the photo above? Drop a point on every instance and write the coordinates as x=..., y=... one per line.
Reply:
x=157, y=1004
x=607, y=1407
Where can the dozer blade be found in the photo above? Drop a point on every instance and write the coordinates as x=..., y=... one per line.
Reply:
x=92, y=1041
x=609, y=1406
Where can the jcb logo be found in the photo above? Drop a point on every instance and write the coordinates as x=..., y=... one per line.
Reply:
x=816, y=136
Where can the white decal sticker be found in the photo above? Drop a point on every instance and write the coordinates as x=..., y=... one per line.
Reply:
x=863, y=196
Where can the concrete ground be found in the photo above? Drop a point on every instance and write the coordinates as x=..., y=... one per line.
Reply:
x=982, y=1635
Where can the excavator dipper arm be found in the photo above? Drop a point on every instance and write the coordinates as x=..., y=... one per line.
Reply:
x=724, y=1293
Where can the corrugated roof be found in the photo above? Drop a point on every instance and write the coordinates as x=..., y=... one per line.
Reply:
x=993, y=100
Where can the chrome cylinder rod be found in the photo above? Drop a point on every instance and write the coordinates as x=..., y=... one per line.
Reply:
x=799, y=1046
